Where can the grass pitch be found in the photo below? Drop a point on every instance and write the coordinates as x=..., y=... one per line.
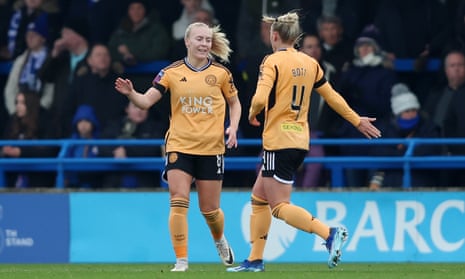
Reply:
x=217, y=271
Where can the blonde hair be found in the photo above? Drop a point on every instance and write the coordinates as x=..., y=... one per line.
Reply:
x=220, y=44
x=286, y=25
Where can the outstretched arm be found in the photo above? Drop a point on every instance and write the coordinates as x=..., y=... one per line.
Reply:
x=337, y=102
x=143, y=101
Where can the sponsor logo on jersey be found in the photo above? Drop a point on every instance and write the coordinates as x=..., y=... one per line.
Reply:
x=292, y=127
x=194, y=105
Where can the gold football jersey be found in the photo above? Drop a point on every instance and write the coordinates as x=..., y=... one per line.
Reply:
x=198, y=106
x=285, y=82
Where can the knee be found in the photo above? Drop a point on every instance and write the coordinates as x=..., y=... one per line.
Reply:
x=276, y=210
x=212, y=215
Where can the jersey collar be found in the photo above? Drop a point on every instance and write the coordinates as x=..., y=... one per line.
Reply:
x=197, y=69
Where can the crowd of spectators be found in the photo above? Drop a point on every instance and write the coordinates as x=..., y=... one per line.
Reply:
x=66, y=54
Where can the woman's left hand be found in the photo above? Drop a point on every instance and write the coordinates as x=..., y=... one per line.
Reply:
x=232, y=137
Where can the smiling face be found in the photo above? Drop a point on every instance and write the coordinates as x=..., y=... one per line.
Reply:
x=198, y=42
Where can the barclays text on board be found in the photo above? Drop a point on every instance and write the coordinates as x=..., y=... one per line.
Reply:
x=392, y=227
x=132, y=227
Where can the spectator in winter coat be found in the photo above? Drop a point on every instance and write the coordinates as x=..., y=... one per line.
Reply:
x=366, y=86
x=24, y=73
x=85, y=126
x=407, y=122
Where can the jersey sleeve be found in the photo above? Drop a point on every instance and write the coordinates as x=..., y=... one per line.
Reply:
x=266, y=78
x=337, y=103
x=227, y=87
x=160, y=82
x=319, y=77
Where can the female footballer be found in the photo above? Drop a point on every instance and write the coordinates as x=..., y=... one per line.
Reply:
x=199, y=90
x=286, y=80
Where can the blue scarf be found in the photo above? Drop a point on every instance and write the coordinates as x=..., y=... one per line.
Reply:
x=28, y=75
x=407, y=124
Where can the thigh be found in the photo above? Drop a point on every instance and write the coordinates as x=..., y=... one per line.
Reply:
x=209, y=192
x=271, y=190
x=276, y=192
x=179, y=174
x=179, y=183
x=208, y=175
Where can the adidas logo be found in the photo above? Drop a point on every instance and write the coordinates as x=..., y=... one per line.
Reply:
x=184, y=79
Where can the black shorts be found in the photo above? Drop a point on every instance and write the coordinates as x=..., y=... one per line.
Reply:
x=282, y=164
x=201, y=167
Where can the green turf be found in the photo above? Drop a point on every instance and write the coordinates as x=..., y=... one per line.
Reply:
x=217, y=271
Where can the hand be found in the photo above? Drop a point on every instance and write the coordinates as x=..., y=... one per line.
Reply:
x=254, y=122
x=124, y=50
x=59, y=46
x=119, y=152
x=124, y=86
x=369, y=130
x=232, y=137
x=374, y=186
x=11, y=151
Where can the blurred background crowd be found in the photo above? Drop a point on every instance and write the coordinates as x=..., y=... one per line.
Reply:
x=66, y=54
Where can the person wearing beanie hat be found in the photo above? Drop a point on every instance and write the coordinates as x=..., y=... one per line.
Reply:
x=24, y=74
x=40, y=26
x=370, y=36
x=367, y=85
x=407, y=122
x=367, y=51
x=403, y=99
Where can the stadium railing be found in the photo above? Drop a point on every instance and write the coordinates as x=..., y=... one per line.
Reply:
x=152, y=67
x=335, y=164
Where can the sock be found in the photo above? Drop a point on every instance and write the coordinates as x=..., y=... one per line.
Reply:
x=215, y=221
x=178, y=226
x=260, y=222
x=301, y=219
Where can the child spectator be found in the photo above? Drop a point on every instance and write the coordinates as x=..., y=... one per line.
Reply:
x=85, y=126
x=407, y=122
